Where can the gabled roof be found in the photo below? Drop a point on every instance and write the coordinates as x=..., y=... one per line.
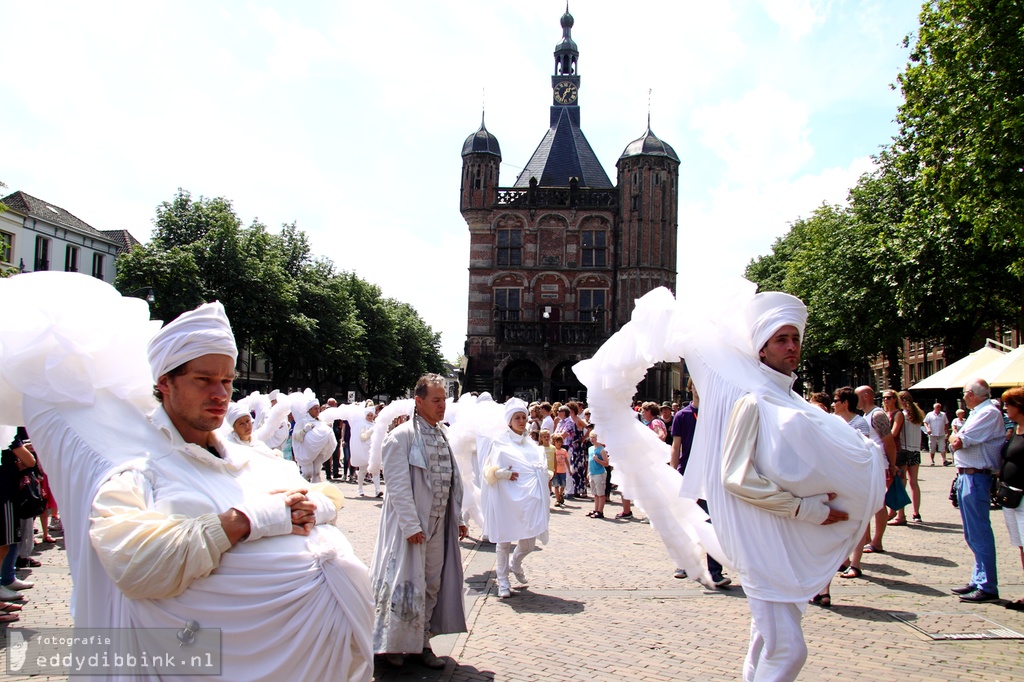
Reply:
x=26, y=204
x=564, y=153
x=123, y=238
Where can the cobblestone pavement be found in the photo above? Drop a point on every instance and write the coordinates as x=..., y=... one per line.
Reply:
x=602, y=605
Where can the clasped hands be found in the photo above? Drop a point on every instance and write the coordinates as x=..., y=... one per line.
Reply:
x=303, y=511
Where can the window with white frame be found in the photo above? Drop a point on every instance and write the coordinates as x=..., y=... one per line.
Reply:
x=42, y=253
x=6, y=247
x=71, y=258
x=507, y=304
x=97, y=265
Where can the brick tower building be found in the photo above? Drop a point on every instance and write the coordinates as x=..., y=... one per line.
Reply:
x=557, y=259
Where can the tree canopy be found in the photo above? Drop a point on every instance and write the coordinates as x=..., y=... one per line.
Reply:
x=931, y=245
x=314, y=324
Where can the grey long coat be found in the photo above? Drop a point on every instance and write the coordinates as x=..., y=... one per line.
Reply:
x=397, y=570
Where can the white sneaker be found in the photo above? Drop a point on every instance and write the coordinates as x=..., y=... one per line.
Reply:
x=10, y=595
x=19, y=585
x=504, y=592
x=520, y=576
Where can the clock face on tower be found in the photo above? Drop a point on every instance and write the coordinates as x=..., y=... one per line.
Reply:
x=566, y=92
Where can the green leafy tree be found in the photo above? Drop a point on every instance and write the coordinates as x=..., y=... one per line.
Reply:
x=962, y=119
x=171, y=274
x=957, y=254
x=183, y=222
x=322, y=339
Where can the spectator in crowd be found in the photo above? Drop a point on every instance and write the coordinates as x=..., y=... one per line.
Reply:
x=958, y=422
x=908, y=451
x=1011, y=473
x=684, y=424
x=937, y=426
x=976, y=456
x=598, y=459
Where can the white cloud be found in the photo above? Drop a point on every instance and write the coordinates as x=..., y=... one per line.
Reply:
x=762, y=136
x=736, y=223
x=796, y=18
x=349, y=117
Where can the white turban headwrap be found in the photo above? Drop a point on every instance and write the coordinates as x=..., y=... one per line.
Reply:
x=235, y=411
x=199, y=332
x=275, y=394
x=302, y=406
x=513, y=405
x=770, y=311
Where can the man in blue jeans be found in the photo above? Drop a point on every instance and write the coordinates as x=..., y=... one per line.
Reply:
x=976, y=447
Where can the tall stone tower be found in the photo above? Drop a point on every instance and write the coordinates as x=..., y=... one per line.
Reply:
x=647, y=220
x=557, y=259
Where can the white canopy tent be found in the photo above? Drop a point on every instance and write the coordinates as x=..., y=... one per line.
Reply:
x=1006, y=371
x=962, y=371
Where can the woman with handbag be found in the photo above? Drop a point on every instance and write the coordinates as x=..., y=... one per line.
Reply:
x=1011, y=477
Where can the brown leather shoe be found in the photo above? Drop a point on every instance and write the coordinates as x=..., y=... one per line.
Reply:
x=429, y=660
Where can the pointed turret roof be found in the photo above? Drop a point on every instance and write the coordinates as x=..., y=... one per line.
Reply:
x=481, y=142
x=564, y=153
x=649, y=144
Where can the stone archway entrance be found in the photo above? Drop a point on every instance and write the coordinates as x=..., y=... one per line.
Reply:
x=522, y=379
x=564, y=384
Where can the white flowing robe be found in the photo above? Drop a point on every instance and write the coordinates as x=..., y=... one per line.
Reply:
x=315, y=447
x=712, y=334
x=74, y=371
x=361, y=433
x=515, y=510
x=158, y=511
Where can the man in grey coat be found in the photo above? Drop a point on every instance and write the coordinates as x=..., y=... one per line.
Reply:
x=416, y=572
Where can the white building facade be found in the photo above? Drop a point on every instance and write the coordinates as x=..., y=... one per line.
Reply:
x=36, y=235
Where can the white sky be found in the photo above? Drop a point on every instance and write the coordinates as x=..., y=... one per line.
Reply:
x=349, y=118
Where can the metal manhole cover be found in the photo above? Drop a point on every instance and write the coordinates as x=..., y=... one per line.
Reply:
x=946, y=626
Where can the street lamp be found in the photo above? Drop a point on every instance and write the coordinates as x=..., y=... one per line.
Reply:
x=150, y=297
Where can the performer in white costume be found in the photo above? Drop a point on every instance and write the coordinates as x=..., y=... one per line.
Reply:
x=514, y=495
x=417, y=565
x=240, y=432
x=767, y=474
x=313, y=441
x=166, y=523
x=360, y=419
x=275, y=427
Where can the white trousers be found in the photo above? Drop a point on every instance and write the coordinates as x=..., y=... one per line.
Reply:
x=501, y=553
x=376, y=480
x=777, y=650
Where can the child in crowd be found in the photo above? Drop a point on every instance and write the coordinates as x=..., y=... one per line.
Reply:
x=598, y=461
x=561, y=469
x=544, y=437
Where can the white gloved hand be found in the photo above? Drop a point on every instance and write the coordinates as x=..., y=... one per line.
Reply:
x=268, y=515
x=813, y=509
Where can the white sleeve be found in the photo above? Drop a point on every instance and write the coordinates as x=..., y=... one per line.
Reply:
x=150, y=555
x=739, y=476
